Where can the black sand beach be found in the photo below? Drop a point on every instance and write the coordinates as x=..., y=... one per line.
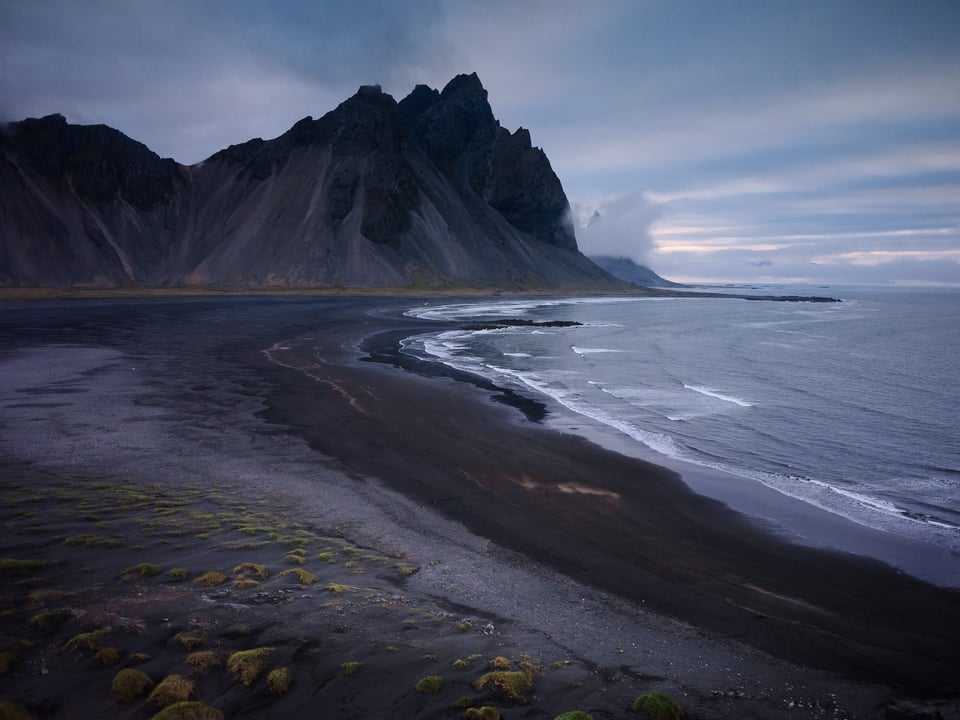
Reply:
x=477, y=532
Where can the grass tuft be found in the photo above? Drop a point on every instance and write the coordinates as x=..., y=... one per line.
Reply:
x=657, y=706
x=190, y=640
x=574, y=715
x=351, y=668
x=487, y=712
x=247, y=665
x=210, y=579
x=303, y=577
x=515, y=685
x=250, y=568
x=296, y=557
x=144, y=569
x=12, y=711
x=179, y=574
x=204, y=662
x=188, y=711
x=86, y=640
x=50, y=619
x=107, y=656
x=280, y=680
x=430, y=685
x=172, y=689
x=501, y=663
x=130, y=685
x=20, y=567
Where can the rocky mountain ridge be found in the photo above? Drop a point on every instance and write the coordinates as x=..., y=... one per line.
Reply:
x=430, y=191
x=629, y=271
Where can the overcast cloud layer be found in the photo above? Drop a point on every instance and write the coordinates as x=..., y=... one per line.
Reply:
x=767, y=141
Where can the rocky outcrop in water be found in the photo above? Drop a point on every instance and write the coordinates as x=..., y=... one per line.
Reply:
x=430, y=191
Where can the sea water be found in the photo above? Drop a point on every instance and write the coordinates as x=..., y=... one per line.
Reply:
x=851, y=406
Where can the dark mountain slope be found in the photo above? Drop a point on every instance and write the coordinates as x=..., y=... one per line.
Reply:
x=627, y=270
x=82, y=205
x=375, y=193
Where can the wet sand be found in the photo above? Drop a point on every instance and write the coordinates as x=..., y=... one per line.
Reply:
x=611, y=574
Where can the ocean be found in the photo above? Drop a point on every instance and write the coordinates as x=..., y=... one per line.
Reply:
x=850, y=407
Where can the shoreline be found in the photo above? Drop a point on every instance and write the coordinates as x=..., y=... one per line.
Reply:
x=790, y=518
x=429, y=472
x=776, y=511
x=575, y=507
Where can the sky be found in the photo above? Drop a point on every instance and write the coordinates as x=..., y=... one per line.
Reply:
x=714, y=141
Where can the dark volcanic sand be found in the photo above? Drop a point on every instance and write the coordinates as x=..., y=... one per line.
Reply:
x=649, y=586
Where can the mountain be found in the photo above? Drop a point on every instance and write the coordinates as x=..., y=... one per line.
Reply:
x=626, y=269
x=430, y=191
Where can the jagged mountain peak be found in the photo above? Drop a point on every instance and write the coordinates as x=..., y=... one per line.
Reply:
x=375, y=192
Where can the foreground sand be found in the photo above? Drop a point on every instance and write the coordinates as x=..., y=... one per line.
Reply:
x=141, y=445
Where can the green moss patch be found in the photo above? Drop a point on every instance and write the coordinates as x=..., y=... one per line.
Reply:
x=189, y=711
x=107, y=656
x=302, y=576
x=87, y=640
x=130, y=685
x=250, y=568
x=514, y=685
x=247, y=665
x=204, y=662
x=657, y=706
x=430, y=685
x=210, y=579
x=172, y=689
x=487, y=712
x=14, y=566
x=574, y=715
x=190, y=640
x=280, y=680
x=143, y=570
x=351, y=668
x=12, y=711
x=50, y=620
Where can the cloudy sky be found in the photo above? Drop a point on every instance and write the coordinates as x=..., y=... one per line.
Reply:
x=740, y=141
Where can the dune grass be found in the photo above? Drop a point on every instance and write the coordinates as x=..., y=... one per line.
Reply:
x=248, y=665
x=130, y=685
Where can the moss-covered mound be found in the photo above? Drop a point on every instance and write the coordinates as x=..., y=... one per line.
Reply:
x=515, y=685
x=188, y=711
x=130, y=685
x=172, y=689
x=487, y=712
x=657, y=706
x=280, y=680
x=12, y=711
x=248, y=665
x=430, y=685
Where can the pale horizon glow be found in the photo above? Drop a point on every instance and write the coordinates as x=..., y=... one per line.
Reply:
x=743, y=142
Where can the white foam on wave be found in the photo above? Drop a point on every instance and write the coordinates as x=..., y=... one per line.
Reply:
x=856, y=507
x=574, y=401
x=667, y=403
x=506, y=308
x=718, y=395
x=593, y=351
x=452, y=348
